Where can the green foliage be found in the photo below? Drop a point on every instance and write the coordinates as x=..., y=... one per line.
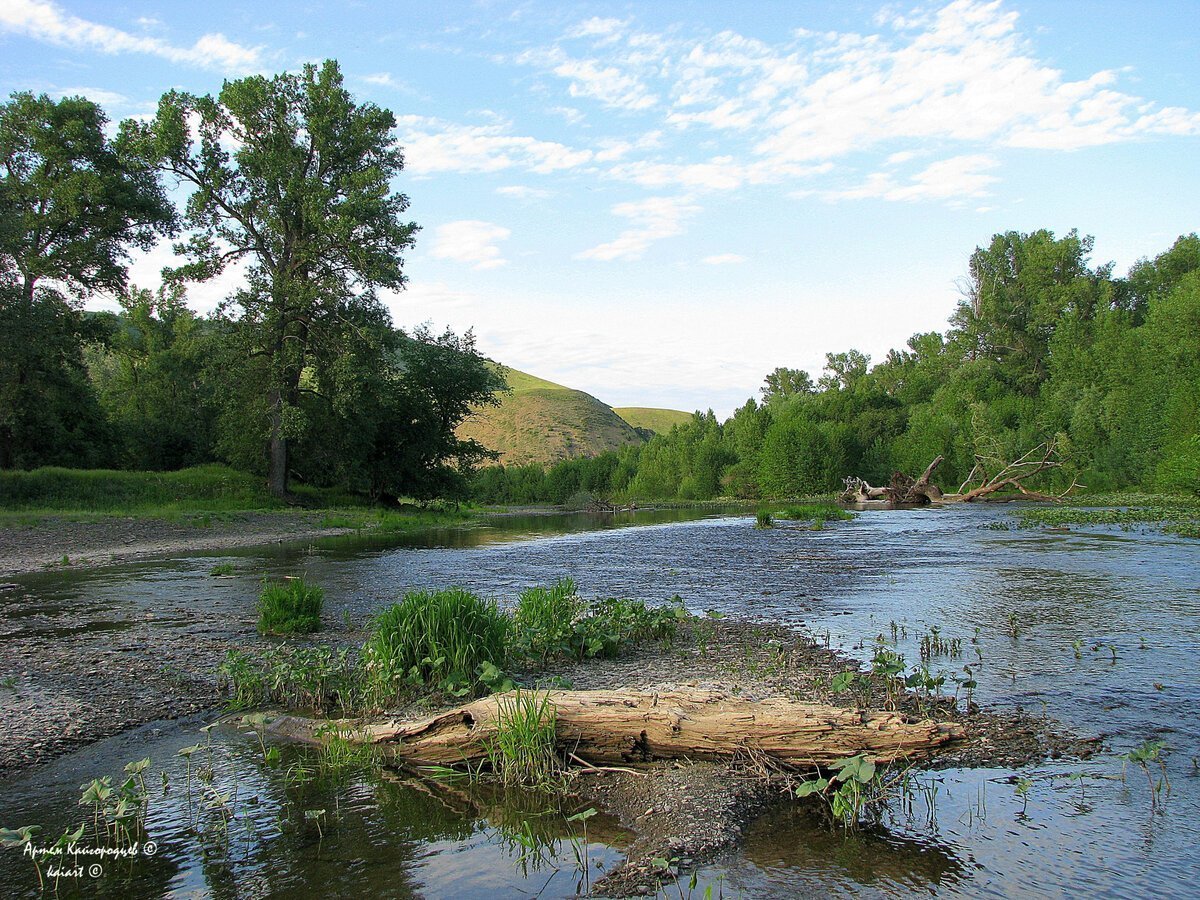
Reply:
x=290, y=607
x=312, y=678
x=544, y=620
x=556, y=622
x=72, y=204
x=210, y=487
x=448, y=640
x=762, y=519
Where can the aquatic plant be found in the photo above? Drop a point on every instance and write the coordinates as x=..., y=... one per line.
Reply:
x=814, y=512
x=291, y=606
x=853, y=785
x=934, y=644
x=1149, y=752
x=763, y=519
x=222, y=569
x=433, y=639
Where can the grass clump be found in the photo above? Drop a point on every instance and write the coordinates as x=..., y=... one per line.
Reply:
x=291, y=606
x=814, y=512
x=449, y=640
x=525, y=748
x=222, y=569
x=545, y=620
x=763, y=520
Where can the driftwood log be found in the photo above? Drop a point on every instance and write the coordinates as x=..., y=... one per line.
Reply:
x=619, y=727
x=979, y=485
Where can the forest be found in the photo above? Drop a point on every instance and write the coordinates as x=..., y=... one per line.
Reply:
x=1043, y=346
x=301, y=377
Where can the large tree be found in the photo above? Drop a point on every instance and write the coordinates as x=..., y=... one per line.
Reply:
x=291, y=175
x=72, y=204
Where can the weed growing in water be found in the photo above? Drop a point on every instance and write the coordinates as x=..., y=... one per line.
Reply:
x=815, y=512
x=222, y=569
x=1150, y=752
x=934, y=644
x=763, y=519
x=316, y=678
x=291, y=606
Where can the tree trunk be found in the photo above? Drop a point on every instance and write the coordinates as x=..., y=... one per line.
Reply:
x=277, y=451
x=622, y=727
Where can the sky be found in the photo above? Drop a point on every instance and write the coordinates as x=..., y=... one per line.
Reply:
x=659, y=203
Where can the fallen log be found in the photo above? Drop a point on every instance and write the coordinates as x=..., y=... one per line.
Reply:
x=630, y=727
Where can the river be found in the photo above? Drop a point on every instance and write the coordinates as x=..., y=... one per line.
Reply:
x=1096, y=628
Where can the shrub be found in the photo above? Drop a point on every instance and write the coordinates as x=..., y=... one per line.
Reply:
x=291, y=606
x=450, y=640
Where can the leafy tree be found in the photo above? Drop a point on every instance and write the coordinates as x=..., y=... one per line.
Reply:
x=291, y=175
x=72, y=204
x=783, y=383
x=154, y=381
x=843, y=370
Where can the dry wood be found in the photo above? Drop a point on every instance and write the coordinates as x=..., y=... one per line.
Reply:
x=624, y=727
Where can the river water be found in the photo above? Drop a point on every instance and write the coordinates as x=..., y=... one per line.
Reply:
x=1097, y=628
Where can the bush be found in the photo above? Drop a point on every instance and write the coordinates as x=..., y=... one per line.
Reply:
x=612, y=623
x=290, y=607
x=450, y=640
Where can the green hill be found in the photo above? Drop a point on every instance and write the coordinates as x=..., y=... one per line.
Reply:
x=539, y=421
x=660, y=421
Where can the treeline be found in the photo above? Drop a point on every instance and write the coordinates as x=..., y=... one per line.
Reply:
x=1042, y=346
x=299, y=374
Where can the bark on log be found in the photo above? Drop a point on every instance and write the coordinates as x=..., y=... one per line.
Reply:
x=617, y=727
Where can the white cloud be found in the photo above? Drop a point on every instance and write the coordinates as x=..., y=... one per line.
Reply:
x=45, y=21
x=604, y=83
x=963, y=73
x=598, y=28
x=654, y=218
x=385, y=79
x=723, y=259
x=96, y=95
x=524, y=192
x=470, y=241
x=431, y=145
x=951, y=179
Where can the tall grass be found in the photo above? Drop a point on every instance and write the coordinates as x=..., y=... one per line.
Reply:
x=525, y=748
x=545, y=619
x=290, y=607
x=451, y=640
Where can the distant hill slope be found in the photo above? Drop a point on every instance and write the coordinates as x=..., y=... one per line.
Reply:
x=660, y=421
x=542, y=422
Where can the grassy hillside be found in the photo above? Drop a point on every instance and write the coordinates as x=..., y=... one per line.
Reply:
x=543, y=422
x=660, y=421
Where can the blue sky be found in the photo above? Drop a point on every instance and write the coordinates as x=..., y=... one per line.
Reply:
x=661, y=202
